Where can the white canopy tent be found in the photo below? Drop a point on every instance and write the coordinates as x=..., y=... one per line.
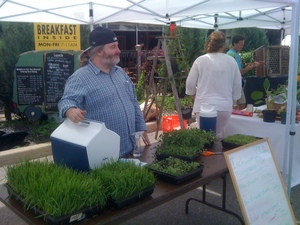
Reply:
x=225, y=14
x=207, y=14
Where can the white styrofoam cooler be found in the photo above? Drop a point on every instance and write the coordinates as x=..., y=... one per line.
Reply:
x=84, y=145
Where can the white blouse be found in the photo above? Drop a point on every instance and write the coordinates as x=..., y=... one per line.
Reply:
x=215, y=79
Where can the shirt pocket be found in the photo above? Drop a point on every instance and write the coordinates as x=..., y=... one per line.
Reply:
x=129, y=89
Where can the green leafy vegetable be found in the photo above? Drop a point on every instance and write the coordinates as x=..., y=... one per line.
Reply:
x=174, y=166
x=240, y=139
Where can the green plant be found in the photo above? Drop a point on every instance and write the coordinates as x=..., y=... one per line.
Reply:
x=298, y=95
x=259, y=97
x=140, y=87
x=282, y=109
x=240, y=139
x=187, y=101
x=123, y=179
x=247, y=57
x=56, y=190
x=169, y=103
x=46, y=127
x=174, y=166
x=37, y=130
x=185, y=143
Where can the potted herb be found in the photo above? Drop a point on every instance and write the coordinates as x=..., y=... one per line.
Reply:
x=187, y=106
x=273, y=98
x=174, y=170
x=185, y=144
x=54, y=192
x=125, y=181
x=269, y=115
x=282, y=113
x=237, y=140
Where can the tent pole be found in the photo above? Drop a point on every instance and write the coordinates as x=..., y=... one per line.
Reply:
x=136, y=34
x=292, y=89
x=91, y=14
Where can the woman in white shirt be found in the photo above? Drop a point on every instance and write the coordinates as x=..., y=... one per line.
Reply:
x=215, y=79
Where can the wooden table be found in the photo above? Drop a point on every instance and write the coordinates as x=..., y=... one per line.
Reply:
x=215, y=167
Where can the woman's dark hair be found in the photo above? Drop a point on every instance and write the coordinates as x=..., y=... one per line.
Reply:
x=216, y=41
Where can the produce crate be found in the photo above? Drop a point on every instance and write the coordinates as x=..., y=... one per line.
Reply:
x=172, y=122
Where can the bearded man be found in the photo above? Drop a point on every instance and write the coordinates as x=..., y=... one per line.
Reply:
x=101, y=91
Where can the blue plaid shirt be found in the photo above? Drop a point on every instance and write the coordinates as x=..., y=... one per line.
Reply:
x=106, y=98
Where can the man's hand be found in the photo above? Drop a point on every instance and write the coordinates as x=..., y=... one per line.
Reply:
x=145, y=138
x=75, y=114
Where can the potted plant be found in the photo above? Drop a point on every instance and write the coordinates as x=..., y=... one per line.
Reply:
x=187, y=106
x=273, y=98
x=174, y=170
x=282, y=113
x=269, y=115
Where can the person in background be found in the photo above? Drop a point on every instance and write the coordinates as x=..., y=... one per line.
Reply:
x=102, y=91
x=215, y=79
x=238, y=42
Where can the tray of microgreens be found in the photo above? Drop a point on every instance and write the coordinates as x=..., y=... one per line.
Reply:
x=60, y=195
x=184, y=144
x=126, y=182
x=56, y=193
x=237, y=140
x=175, y=170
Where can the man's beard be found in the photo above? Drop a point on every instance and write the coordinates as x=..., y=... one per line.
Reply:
x=110, y=60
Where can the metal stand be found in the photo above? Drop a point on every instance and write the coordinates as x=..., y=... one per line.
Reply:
x=152, y=89
x=223, y=208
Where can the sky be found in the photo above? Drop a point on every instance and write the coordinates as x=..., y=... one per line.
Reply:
x=286, y=41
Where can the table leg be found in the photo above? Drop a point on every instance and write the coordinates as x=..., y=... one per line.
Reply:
x=223, y=208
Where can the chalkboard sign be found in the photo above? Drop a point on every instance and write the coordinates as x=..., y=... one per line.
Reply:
x=30, y=85
x=58, y=67
x=259, y=185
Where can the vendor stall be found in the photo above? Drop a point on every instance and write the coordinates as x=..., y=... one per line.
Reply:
x=274, y=131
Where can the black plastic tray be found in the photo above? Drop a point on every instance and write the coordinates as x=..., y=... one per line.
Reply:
x=66, y=219
x=132, y=199
x=229, y=145
x=209, y=145
x=178, y=180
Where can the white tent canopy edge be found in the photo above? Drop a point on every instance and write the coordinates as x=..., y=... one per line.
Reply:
x=207, y=14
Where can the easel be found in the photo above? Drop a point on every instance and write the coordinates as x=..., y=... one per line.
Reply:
x=152, y=89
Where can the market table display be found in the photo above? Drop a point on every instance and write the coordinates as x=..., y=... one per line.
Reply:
x=274, y=131
x=214, y=167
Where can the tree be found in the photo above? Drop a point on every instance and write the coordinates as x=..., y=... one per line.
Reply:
x=15, y=38
x=254, y=38
x=84, y=36
x=192, y=42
